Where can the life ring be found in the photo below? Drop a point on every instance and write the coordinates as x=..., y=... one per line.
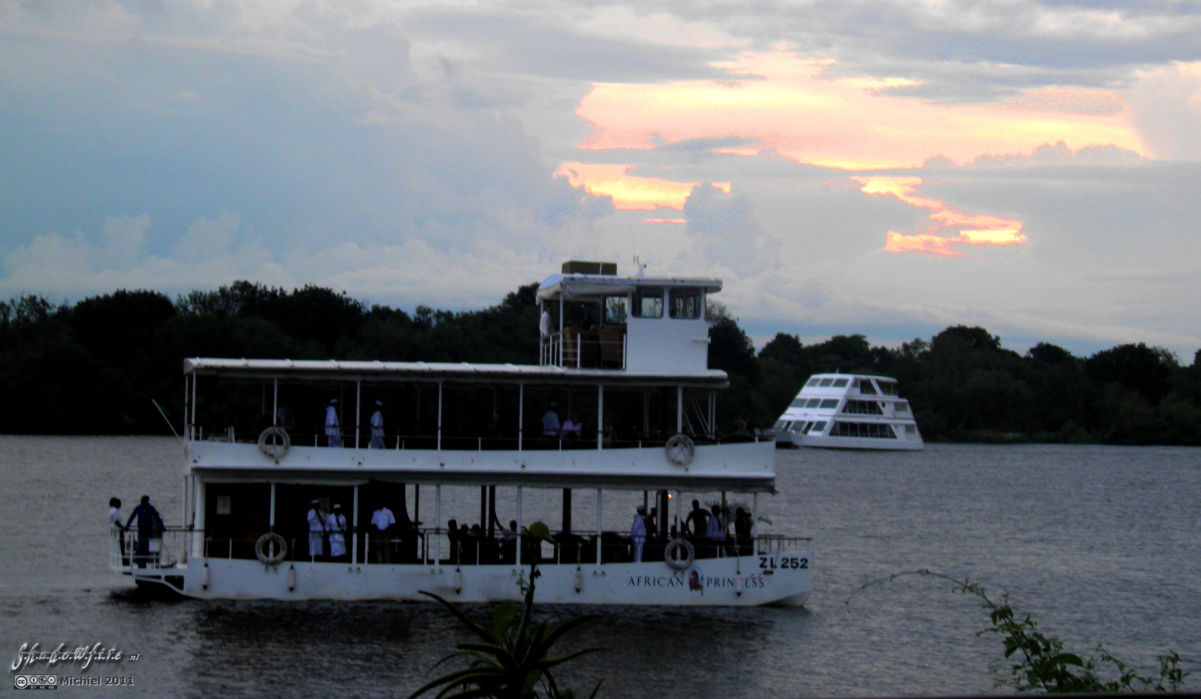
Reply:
x=679, y=562
x=271, y=542
x=680, y=449
x=274, y=442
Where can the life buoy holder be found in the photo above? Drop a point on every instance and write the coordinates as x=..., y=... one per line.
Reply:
x=679, y=554
x=274, y=442
x=271, y=549
x=680, y=449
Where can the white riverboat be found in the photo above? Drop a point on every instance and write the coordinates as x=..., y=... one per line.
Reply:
x=476, y=442
x=849, y=411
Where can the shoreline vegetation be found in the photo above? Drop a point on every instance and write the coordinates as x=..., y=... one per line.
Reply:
x=94, y=367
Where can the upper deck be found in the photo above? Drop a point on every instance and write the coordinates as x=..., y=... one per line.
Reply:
x=593, y=318
x=578, y=417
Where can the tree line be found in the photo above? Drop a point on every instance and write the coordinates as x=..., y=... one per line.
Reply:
x=93, y=367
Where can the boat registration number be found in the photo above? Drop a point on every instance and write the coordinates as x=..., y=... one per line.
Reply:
x=783, y=563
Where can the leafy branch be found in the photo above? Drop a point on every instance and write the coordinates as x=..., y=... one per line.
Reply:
x=1040, y=663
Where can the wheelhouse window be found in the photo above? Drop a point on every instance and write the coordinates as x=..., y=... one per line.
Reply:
x=648, y=303
x=617, y=309
x=684, y=303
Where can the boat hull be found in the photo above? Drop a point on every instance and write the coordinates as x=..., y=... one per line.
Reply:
x=782, y=579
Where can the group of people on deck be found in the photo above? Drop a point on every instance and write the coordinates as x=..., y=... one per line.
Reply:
x=331, y=527
x=333, y=425
x=325, y=526
x=150, y=528
x=704, y=528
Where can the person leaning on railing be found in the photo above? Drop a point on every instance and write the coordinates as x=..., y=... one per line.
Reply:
x=150, y=526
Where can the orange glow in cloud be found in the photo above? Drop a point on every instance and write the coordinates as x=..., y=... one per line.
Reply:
x=631, y=192
x=946, y=229
x=799, y=108
x=666, y=221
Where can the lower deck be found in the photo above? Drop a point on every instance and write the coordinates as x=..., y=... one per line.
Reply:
x=764, y=570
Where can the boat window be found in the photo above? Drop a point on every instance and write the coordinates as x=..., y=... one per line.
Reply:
x=902, y=406
x=616, y=310
x=888, y=388
x=826, y=382
x=818, y=427
x=910, y=429
x=813, y=402
x=865, y=386
x=648, y=303
x=684, y=303
x=812, y=381
x=862, y=407
x=829, y=403
x=798, y=403
x=839, y=383
x=870, y=430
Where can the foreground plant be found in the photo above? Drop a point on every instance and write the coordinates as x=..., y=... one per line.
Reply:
x=511, y=659
x=1040, y=663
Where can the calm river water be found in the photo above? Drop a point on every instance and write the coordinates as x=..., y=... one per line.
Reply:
x=1099, y=544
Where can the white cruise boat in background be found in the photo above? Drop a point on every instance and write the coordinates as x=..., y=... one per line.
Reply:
x=849, y=411
x=272, y=443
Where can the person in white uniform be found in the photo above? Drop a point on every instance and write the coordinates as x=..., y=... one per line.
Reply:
x=638, y=533
x=117, y=528
x=333, y=433
x=316, y=530
x=377, y=426
x=335, y=524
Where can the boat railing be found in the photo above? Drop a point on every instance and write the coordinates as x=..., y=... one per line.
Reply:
x=438, y=546
x=772, y=544
x=162, y=548
x=532, y=440
x=573, y=348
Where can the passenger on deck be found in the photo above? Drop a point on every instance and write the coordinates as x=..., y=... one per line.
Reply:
x=544, y=326
x=697, y=520
x=715, y=532
x=382, y=521
x=452, y=535
x=150, y=526
x=118, y=529
x=377, y=426
x=335, y=523
x=508, y=543
x=550, y=422
x=316, y=520
x=333, y=432
x=742, y=531
x=573, y=428
x=638, y=533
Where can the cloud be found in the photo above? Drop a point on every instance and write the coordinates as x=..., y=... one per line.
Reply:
x=795, y=105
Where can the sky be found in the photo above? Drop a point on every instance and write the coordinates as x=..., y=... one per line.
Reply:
x=886, y=168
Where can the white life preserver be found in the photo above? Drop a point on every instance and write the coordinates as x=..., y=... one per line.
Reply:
x=679, y=563
x=274, y=442
x=271, y=549
x=680, y=449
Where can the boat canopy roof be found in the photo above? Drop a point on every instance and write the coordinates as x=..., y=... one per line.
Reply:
x=380, y=371
x=577, y=286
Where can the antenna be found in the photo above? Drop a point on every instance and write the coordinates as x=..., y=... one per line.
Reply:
x=639, y=267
